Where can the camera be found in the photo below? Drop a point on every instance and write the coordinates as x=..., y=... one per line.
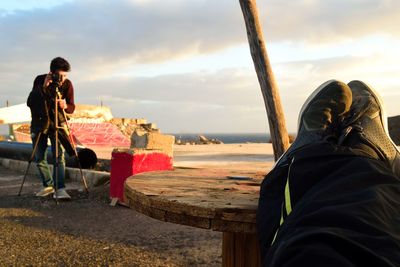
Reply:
x=56, y=79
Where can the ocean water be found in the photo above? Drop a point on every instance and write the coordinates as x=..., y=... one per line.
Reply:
x=228, y=138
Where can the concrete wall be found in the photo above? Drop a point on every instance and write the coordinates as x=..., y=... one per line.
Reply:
x=153, y=141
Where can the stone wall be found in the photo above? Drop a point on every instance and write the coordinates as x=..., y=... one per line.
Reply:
x=153, y=141
x=129, y=126
x=90, y=113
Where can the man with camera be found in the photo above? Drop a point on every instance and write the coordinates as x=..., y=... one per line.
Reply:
x=49, y=89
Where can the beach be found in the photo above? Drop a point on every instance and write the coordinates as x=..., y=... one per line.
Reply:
x=252, y=156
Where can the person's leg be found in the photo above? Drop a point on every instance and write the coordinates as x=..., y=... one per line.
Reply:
x=368, y=129
x=344, y=212
x=339, y=200
x=319, y=119
x=41, y=163
x=61, y=163
x=279, y=183
x=61, y=192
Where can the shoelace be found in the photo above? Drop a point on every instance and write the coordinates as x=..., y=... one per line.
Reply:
x=357, y=110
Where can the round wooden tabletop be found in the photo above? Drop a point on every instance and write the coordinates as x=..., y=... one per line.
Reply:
x=217, y=199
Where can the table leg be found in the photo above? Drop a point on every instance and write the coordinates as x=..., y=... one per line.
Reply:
x=240, y=250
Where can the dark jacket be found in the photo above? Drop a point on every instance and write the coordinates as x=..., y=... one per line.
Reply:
x=41, y=102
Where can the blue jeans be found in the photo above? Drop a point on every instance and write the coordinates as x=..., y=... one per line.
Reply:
x=41, y=160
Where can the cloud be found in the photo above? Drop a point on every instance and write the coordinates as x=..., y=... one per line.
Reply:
x=102, y=38
x=220, y=101
x=228, y=86
x=316, y=22
x=297, y=80
x=184, y=117
x=230, y=100
x=105, y=35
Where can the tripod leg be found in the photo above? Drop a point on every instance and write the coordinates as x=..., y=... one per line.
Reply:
x=77, y=159
x=83, y=177
x=30, y=160
x=56, y=146
x=67, y=129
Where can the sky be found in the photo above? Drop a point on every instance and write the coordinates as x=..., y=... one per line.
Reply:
x=185, y=65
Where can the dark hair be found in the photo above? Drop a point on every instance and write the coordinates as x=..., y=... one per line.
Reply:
x=59, y=63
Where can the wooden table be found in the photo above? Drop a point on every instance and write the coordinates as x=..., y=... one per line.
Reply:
x=216, y=199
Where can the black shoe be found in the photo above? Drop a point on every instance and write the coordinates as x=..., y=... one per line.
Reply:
x=321, y=116
x=368, y=126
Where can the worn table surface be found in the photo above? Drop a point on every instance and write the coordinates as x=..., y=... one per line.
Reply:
x=204, y=198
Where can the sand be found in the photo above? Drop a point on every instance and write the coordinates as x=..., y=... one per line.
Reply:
x=237, y=156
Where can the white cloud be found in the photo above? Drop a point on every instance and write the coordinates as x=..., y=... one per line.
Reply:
x=327, y=21
x=109, y=35
x=231, y=99
x=106, y=41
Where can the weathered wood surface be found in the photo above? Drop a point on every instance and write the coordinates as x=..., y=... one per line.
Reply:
x=203, y=198
x=266, y=78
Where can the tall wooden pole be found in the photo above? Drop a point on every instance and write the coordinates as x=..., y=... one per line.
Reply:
x=269, y=87
x=241, y=249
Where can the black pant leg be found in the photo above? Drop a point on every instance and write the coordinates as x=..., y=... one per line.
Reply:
x=345, y=210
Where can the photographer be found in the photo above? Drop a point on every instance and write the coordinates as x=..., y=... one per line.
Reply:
x=41, y=102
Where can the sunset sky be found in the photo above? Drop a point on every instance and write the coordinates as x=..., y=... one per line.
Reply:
x=185, y=64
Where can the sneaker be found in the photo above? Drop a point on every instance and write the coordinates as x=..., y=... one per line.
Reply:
x=61, y=194
x=321, y=115
x=368, y=123
x=45, y=191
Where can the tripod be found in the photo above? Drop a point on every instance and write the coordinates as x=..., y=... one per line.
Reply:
x=57, y=142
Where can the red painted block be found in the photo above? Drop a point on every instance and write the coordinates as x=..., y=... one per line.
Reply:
x=125, y=163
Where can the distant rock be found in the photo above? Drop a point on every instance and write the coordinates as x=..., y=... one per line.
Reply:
x=202, y=140
x=205, y=141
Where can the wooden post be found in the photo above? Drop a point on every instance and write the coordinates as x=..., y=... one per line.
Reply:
x=269, y=88
x=240, y=250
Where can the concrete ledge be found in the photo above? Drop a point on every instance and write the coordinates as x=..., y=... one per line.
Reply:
x=93, y=178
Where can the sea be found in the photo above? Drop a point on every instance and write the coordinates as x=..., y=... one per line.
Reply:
x=226, y=138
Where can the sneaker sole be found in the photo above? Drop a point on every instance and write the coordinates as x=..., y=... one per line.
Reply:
x=383, y=115
x=44, y=195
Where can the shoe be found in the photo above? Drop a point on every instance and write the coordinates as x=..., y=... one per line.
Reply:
x=61, y=194
x=320, y=120
x=45, y=191
x=368, y=126
x=320, y=116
